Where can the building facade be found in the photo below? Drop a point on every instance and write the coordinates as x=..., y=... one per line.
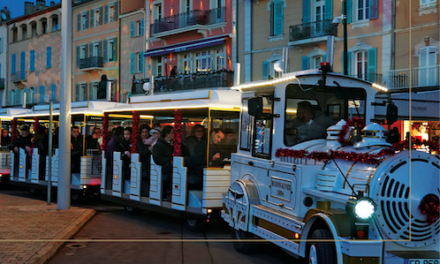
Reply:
x=3, y=60
x=187, y=39
x=34, y=56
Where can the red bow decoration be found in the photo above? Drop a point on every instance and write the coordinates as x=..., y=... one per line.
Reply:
x=429, y=206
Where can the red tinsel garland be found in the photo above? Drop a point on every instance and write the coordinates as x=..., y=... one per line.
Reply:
x=134, y=133
x=14, y=134
x=429, y=206
x=36, y=124
x=356, y=122
x=105, y=134
x=177, y=142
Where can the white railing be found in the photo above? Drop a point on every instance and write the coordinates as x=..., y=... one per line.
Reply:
x=420, y=77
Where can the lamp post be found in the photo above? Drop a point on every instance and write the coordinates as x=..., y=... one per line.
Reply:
x=344, y=22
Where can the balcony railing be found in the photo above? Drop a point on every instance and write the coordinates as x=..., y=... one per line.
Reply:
x=188, y=82
x=420, y=77
x=370, y=77
x=2, y=83
x=192, y=18
x=18, y=76
x=91, y=62
x=312, y=30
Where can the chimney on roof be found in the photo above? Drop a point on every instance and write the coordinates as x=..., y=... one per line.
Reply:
x=5, y=14
x=28, y=7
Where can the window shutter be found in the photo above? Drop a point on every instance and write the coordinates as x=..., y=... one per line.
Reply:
x=349, y=11
x=132, y=63
x=90, y=50
x=105, y=50
x=372, y=64
x=22, y=64
x=86, y=51
x=32, y=61
x=132, y=29
x=10, y=98
x=329, y=9
x=114, y=49
x=106, y=14
x=141, y=62
x=77, y=56
x=54, y=92
x=100, y=15
x=92, y=15
x=265, y=70
x=79, y=22
x=77, y=93
x=41, y=94
x=305, y=63
x=325, y=58
x=99, y=48
x=306, y=11
x=13, y=64
x=278, y=14
x=91, y=92
x=272, y=18
x=374, y=9
x=115, y=17
x=49, y=57
x=142, y=27
x=85, y=92
x=86, y=22
x=349, y=63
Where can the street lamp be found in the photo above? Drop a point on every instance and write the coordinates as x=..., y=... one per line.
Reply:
x=336, y=22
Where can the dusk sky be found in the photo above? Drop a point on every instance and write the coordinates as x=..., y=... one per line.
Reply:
x=17, y=6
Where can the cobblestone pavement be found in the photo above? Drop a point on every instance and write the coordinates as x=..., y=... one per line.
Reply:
x=29, y=220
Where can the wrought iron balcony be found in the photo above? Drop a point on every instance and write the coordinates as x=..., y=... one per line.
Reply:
x=18, y=76
x=312, y=30
x=188, y=19
x=370, y=77
x=420, y=77
x=91, y=63
x=2, y=83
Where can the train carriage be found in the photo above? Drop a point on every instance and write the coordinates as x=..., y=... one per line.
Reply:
x=348, y=197
x=211, y=109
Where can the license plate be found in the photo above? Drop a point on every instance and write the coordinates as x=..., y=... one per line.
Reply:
x=422, y=261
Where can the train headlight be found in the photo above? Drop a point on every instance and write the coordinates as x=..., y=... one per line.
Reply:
x=361, y=208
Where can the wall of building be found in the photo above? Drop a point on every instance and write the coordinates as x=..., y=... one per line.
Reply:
x=3, y=62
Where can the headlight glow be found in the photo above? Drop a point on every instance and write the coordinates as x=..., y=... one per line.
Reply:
x=364, y=209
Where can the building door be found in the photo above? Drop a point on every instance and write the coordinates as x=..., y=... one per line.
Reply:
x=318, y=13
x=428, y=66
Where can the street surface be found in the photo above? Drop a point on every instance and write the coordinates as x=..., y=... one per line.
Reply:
x=112, y=223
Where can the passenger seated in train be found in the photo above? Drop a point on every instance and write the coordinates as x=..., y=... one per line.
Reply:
x=154, y=136
x=125, y=149
x=112, y=146
x=24, y=142
x=197, y=161
x=6, y=139
x=93, y=141
x=309, y=124
x=216, y=150
x=145, y=157
x=76, y=144
x=163, y=156
x=229, y=142
x=198, y=133
x=41, y=142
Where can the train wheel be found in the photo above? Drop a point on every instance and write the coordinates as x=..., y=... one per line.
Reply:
x=196, y=225
x=130, y=210
x=241, y=245
x=34, y=191
x=321, y=252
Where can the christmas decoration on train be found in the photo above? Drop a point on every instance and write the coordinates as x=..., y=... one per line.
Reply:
x=356, y=123
x=134, y=133
x=14, y=134
x=177, y=142
x=105, y=134
x=429, y=206
x=36, y=124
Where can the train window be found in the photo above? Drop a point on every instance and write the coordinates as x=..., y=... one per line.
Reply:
x=247, y=122
x=263, y=129
x=311, y=110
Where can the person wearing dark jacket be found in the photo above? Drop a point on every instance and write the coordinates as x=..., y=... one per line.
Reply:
x=112, y=146
x=102, y=88
x=24, y=142
x=163, y=156
x=76, y=150
x=6, y=139
x=198, y=133
x=195, y=164
x=41, y=142
x=216, y=152
x=125, y=149
x=145, y=157
x=93, y=140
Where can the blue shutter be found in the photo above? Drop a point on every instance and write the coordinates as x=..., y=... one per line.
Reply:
x=141, y=62
x=91, y=92
x=115, y=17
x=92, y=15
x=349, y=11
x=105, y=50
x=305, y=63
x=10, y=98
x=85, y=92
x=142, y=27
x=54, y=92
x=132, y=63
x=41, y=94
x=77, y=56
x=132, y=29
x=77, y=93
x=99, y=48
x=32, y=61
x=306, y=11
x=349, y=62
x=86, y=51
x=90, y=50
x=374, y=9
x=86, y=22
x=272, y=19
x=13, y=64
x=328, y=10
x=115, y=41
x=325, y=58
x=100, y=15
x=278, y=17
x=79, y=22
x=265, y=70
x=106, y=14
x=372, y=64
x=22, y=65
x=49, y=57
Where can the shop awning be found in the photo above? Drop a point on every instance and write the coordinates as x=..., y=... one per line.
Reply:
x=185, y=46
